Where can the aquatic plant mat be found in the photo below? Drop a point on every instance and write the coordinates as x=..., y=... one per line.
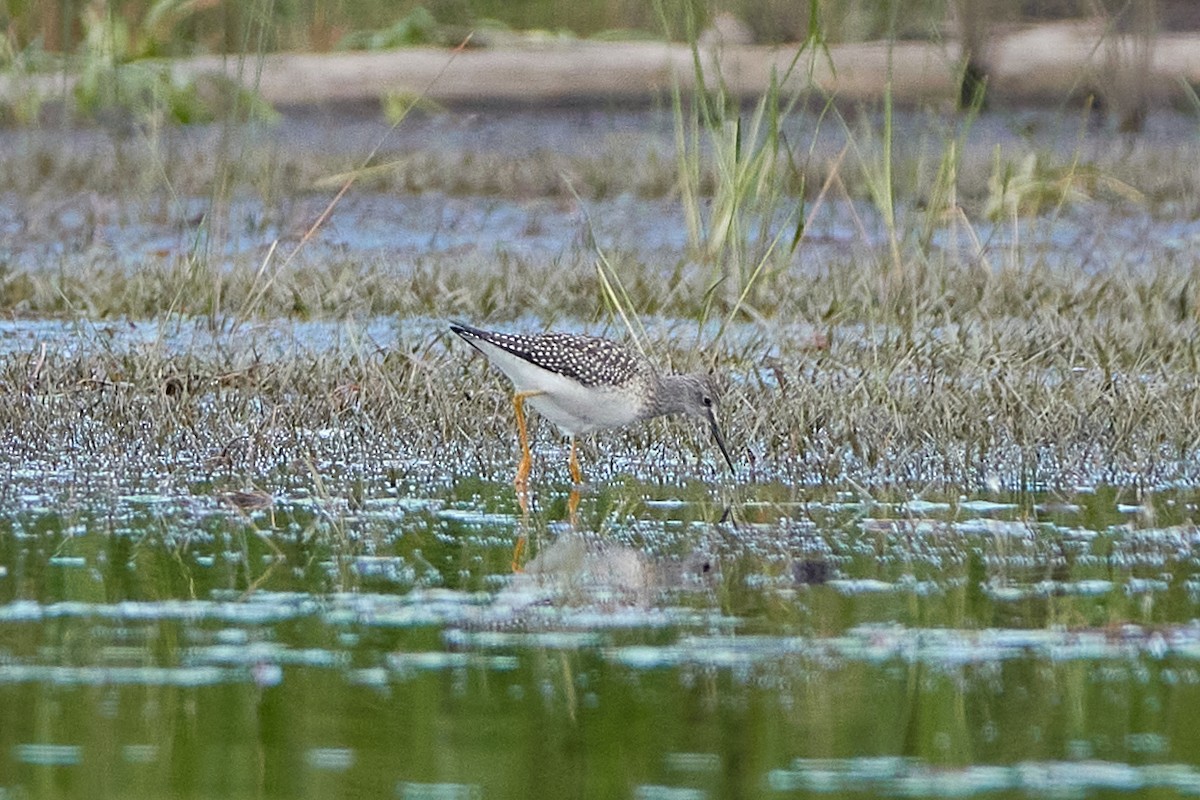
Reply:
x=258, y=533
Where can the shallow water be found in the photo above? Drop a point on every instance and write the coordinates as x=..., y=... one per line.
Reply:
x=807, y=645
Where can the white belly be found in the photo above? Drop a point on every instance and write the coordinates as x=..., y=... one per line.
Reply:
x=577, y=412
x=574, y=408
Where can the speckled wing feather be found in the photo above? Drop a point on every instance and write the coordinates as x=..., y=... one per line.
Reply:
x=590, y=360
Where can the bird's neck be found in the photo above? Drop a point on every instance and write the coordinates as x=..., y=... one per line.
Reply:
x=669, y=393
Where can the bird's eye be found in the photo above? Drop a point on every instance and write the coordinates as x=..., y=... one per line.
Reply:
x=707, y=400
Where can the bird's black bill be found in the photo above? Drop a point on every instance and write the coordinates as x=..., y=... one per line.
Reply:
x=716, y=431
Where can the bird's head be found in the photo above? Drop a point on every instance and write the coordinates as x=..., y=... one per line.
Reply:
x=698, y=395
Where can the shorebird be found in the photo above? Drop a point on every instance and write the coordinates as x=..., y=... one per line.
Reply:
x=585, y=383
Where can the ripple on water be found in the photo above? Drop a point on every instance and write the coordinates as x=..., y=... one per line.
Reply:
x=911, y=777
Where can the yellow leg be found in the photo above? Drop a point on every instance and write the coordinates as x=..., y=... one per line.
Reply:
x=573, y=508
x=518, y=551
x=526, y=463
x=576, y=474
x=519, y=548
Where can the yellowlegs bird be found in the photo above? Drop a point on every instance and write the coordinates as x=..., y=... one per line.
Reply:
x=584, y=384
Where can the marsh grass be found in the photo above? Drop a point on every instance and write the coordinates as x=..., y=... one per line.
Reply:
x=1085, y=380
x=741, y=192
x=118, y=85
x=914, y=369
x=168, y=27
